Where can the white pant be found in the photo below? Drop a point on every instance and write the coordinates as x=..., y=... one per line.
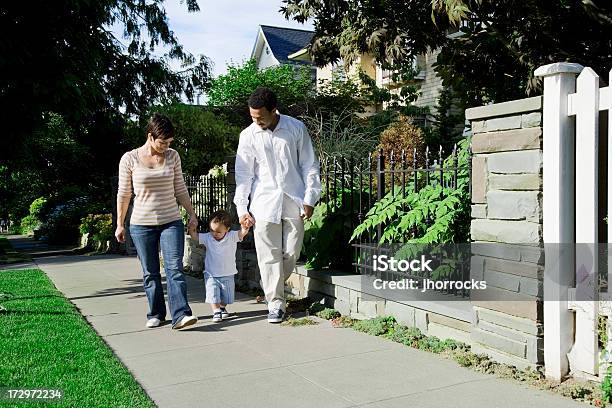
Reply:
x=278, y=247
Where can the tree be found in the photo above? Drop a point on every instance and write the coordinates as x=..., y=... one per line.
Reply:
x=61, y=57
x=203, y=138
x=502, y=42
x=60, y=60
x=293, y=85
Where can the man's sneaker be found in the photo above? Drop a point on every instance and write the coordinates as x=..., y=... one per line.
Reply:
x=224, y=313
x=217, y=317
x=153, y=322
x=275, y=316
x=184, y=322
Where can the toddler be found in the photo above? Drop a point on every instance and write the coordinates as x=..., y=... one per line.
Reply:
x=220, y=261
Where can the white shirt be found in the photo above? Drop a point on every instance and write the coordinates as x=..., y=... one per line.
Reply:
x=270, y=164
x=220, y=257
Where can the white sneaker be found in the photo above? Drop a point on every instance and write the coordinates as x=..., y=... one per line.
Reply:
x=185, y=321
x=217, y=317
x=153, y=322
x=224, y=313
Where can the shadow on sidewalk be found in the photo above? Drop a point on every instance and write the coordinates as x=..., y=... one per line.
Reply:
x=241, y=318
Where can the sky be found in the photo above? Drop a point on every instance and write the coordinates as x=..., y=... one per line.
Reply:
x=223, y=30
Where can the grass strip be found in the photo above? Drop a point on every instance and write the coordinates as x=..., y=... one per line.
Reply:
x=46, y=343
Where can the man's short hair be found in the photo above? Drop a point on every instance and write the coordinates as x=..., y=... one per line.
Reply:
x=263, y=97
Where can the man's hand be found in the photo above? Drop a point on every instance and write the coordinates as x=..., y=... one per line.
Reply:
x=307, y=212
x=247, y=220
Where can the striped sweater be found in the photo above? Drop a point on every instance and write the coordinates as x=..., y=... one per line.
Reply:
x=156, y=190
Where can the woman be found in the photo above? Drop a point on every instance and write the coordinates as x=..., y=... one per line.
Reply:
x=153, y=172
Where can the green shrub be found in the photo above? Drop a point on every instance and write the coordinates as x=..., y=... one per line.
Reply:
x=201, y=138
x=29, y=223
x=62, y=224
x=435, y=345
x=104, y=227
x=87, y=224
x=326, y=233
x=377, y=326
x=32, y=221
x=304, y=321
x=37, y=206
x=98, y=226
x=405, y=218
x=408, y=336
x=606, y=386
x=465, y=358
x=292, y=86
x=16, y=229
x=328, y=314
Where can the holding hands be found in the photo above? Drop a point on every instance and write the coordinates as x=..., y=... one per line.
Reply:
x=247, y=221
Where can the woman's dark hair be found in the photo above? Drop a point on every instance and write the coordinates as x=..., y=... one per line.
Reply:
x=263, y=97
x=221, y=217
x=160, y=127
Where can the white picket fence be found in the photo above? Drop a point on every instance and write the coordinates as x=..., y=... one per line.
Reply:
x=572, y=102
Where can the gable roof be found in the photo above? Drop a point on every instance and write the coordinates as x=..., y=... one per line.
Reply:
x=286, y=41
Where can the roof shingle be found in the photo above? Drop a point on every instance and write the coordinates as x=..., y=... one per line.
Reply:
x=285, y=41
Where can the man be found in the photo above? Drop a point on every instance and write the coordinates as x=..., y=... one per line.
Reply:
x=275, y=165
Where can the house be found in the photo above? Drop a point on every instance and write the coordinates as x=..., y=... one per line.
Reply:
x=277, y=46
x=429, y=83
x=274, y=45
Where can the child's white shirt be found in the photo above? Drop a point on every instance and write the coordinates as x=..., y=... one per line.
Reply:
x=220, y=257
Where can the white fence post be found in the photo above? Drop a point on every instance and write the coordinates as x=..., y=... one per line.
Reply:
x=558, y=214
x=584, y=355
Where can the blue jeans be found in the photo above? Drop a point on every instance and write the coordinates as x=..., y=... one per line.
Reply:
x=147, y=240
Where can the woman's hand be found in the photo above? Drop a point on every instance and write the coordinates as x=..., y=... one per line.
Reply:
x=120, y=233
x=193, y=223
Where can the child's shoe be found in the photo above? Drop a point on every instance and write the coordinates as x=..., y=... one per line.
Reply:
x=217, y=317
x=224, y=313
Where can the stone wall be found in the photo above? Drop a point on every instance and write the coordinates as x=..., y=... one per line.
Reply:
x=507, y=230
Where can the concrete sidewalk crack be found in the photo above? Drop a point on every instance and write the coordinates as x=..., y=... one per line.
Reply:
x=177, y=349
x=286, y=366
x=424, y=391
x=315, y=383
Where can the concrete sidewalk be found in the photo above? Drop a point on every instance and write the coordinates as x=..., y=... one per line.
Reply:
x=246, y=362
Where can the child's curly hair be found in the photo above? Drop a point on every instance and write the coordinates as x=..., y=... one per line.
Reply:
x=221, y=217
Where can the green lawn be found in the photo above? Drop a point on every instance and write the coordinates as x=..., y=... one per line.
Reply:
x=46, y=343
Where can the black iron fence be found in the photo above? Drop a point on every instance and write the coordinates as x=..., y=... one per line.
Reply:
x=351, y=188
x=208, y=194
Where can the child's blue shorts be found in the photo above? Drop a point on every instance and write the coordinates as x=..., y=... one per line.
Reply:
x=219, y=289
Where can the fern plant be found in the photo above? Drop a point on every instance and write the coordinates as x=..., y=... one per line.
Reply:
x=434, y=214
